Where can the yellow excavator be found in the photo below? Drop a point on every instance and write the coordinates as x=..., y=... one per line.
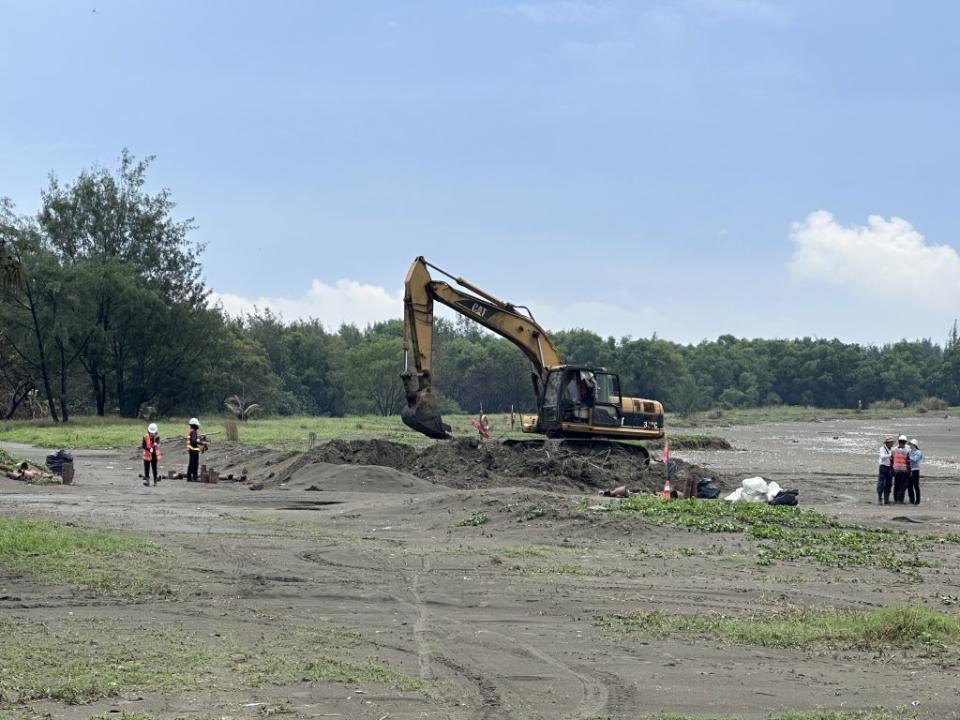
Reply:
x=573, y=401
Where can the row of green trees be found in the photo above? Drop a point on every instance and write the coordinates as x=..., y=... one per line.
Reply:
x=103, y=310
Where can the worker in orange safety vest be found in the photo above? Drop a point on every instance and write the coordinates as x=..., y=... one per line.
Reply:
x=900, y=464
x=151, y=454
x=194, y=447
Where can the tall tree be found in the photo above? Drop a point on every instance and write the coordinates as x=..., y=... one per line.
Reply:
x=140, y=272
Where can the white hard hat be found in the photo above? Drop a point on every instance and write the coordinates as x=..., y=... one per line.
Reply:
x=152, y=428
x=914, y=442
x=903, y=438
x=194, y=421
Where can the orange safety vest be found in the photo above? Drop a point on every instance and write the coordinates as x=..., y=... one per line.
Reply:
x=193, y=442
x=900, y=459
x=150, y=446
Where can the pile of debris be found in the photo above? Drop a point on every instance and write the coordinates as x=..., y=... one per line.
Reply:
x=465, y=463
x=210, y=475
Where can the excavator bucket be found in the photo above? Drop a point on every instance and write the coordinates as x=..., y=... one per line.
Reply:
x=421, y=413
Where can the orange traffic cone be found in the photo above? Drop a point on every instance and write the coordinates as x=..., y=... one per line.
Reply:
x=666, y=490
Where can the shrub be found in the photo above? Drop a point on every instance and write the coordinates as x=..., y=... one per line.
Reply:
x=891, y=404
x=731, y=398
x=929, y=404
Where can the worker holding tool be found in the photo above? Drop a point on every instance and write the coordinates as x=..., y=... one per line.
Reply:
x=151, y=454
x=195, y=445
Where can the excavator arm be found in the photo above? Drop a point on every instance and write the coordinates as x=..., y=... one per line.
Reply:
x=503, y=318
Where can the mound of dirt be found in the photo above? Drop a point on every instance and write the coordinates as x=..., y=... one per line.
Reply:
x=356, y=478
x=464, y=464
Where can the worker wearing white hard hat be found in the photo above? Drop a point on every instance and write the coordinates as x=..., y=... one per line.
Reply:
x=900, y=463
x=885, y=477
x=195, y=445
x=913, y=486
x=150, y=445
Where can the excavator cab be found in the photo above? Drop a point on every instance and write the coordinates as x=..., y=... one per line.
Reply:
x=577, y=399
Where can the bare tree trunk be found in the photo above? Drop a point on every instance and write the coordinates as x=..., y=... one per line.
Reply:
x=16, y=399
x=42, y=351
x=64, y=412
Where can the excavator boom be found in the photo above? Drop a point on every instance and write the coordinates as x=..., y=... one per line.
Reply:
x=503, y=318
x=572, y=401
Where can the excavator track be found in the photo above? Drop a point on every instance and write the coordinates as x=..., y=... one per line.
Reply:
x=585, y=446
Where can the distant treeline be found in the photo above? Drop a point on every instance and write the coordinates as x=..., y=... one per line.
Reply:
x=103, y=309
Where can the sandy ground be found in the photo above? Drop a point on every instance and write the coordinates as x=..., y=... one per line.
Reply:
x=499, y=620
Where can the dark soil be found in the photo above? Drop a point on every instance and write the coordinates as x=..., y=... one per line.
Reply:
x=466, y=464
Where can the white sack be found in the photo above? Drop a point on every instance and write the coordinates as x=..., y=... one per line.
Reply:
x=754, y=489
x=735, y=496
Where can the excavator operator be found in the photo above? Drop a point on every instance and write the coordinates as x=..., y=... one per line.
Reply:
x=580, y=393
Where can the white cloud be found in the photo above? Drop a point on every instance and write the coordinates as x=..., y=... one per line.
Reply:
x=760, y=11
x=887, y=259
x=348, y=301
x=573, y=12
x=602, y=54
x=352, y=302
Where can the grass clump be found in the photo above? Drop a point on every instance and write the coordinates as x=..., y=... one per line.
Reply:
x=714, y=516
x=282, y=433
x=101, y=562
x=895, y=627
x=561, y=569
x=523, y=551
x=818, y=714
x=80, y=662
x=477, y=518
x=10, y=462
x=75, y=661
x=843, y=547
x=791, y=533
x=327, y=669
x=310, y=654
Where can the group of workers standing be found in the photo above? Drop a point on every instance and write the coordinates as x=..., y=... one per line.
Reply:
x=150, y=447
x=899, y=471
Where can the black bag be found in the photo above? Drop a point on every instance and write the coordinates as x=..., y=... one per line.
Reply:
x=706, y=490
x=785, y=497
x=56, y=460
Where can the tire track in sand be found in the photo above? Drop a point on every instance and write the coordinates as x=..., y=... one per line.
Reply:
x=595, y=695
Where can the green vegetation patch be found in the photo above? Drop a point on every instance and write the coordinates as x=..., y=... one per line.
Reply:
x=791, y=533
x=101, y=562
x=477, y=518
x=719, y=516
x=296, y=432
x=310, y=654
x=11, y=462
x=819, y=714
x=8, y=461
x=561, y=569
x=79, y=662
x=75, y=661
x=844, y=547
x=522, y=551
x=895, y=627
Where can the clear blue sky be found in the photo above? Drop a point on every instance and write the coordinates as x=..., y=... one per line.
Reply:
x=629, y=167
